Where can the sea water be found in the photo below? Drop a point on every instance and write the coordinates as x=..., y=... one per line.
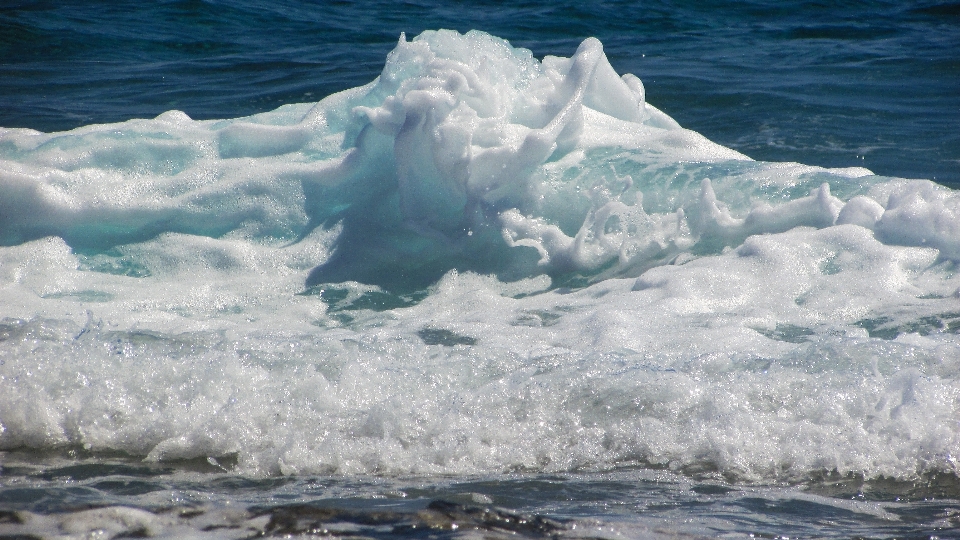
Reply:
x=485, y=293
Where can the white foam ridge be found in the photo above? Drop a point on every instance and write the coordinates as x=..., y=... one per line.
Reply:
x=479, y=262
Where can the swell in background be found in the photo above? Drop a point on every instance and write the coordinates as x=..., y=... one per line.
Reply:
x=871, y=84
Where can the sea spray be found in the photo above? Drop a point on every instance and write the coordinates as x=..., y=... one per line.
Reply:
x=477, y=263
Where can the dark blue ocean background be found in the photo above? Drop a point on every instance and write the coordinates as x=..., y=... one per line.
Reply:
x=873, y=84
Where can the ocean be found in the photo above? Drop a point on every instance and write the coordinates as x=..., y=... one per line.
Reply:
x=441, y=270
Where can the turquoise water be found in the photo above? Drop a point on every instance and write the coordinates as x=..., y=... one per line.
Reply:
x=492, y=293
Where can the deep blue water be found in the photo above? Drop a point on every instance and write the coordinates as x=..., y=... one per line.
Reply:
x=873, y=84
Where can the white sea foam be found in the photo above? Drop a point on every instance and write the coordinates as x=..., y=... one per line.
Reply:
x=608, y=288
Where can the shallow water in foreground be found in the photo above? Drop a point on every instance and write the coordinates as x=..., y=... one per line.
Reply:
x=60, y=495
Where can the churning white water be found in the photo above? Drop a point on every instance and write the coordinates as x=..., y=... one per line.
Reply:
x=479, y=262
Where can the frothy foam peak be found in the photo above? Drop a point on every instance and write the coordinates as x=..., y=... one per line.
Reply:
x=467, y=124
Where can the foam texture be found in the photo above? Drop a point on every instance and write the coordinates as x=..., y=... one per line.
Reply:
x=477, y=263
